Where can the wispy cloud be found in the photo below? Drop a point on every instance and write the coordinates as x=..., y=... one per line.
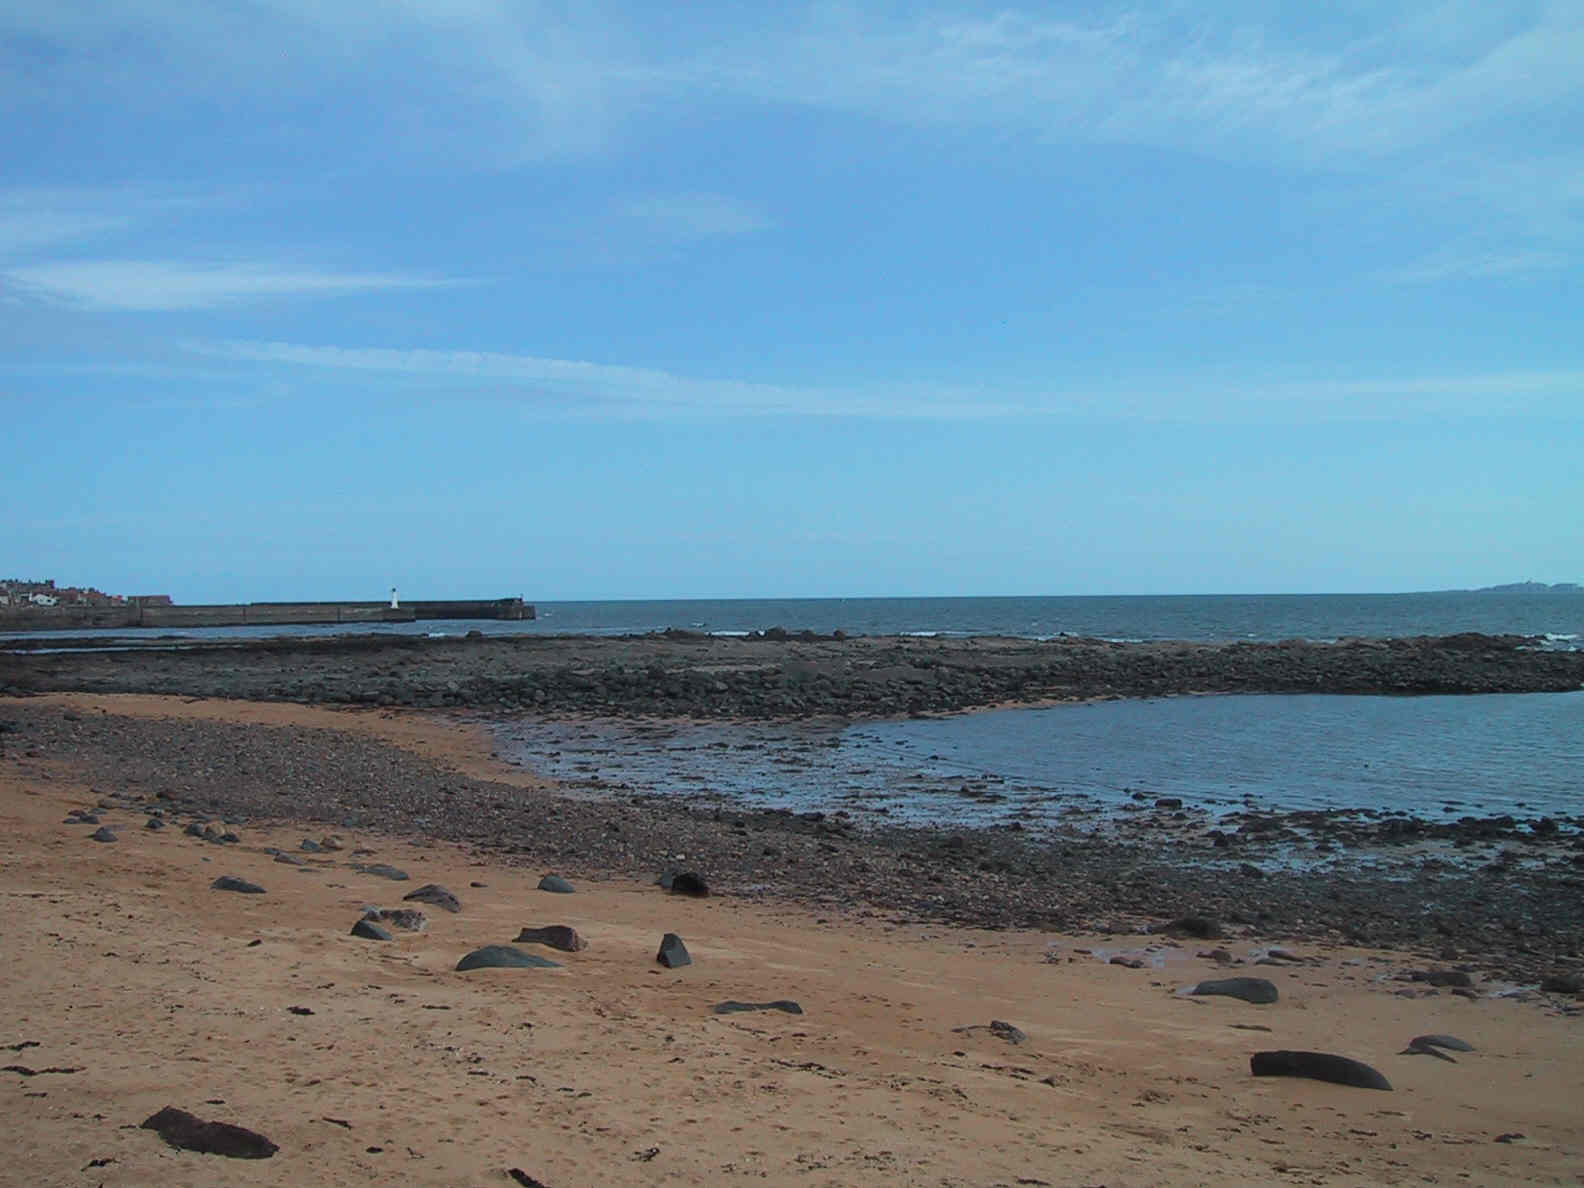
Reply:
x=1448, y=265
x=577, y=388
x=694, y=216
x=149, y=285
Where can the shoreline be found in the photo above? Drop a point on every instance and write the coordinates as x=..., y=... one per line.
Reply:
x=135, y=987
x=435, y=777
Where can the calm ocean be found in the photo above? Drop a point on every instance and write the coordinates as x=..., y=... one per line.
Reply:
x=1557, y=616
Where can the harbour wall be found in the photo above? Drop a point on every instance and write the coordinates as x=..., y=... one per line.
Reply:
x=261, y=614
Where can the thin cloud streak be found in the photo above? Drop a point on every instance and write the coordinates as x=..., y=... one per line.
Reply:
x=167, y=285
x=577, y=388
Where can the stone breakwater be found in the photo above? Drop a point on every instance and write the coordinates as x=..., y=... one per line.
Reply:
x=781, y=675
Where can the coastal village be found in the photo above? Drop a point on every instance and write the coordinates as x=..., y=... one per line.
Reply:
x=23, y=592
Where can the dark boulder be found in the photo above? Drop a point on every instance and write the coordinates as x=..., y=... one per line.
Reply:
x=369, y=930
x=1198, y=927
x=687, y=882
x=1563, y=983
x=103, y=834
x=673, y=953
x=503, y=957
x=1254, y=990
x=1317, y=1066
x=556, y=936
x=555, y=883
x=186, y=1132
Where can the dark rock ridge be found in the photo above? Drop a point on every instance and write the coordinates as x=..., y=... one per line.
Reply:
x=793, y=675
x=187, y=1132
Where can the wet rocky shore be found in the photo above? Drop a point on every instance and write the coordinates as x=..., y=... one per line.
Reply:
x=1508, y=918
x=772, y=675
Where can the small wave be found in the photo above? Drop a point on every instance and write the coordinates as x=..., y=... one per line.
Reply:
x=732, y=634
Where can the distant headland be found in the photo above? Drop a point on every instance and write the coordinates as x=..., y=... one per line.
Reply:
x=1530, y=588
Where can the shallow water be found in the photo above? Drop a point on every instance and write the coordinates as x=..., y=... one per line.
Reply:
x=1438, y=757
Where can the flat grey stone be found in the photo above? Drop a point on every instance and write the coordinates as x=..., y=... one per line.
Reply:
x=731, y=1006
x=673, y=953
x=288, y=860
x=155, y=823
x=435, y=895
x=557, y=936
x=504, y=957
x=103, y=834
x=382, y=870
x=1431, y=1045
x=310, y=845
x=555, y=883
x=232, y=883
x=369, y=930
x=1255, y=990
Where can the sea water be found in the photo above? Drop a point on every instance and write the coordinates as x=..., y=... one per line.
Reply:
x=1438, y=757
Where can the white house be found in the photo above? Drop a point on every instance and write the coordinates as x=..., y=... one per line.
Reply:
x=43, y=599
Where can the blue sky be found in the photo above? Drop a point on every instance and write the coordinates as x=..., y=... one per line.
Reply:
x=306, y=298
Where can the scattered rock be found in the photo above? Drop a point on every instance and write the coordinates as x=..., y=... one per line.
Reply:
x=999, y=1029
x=731, y=1006
x=407, y=919
x=310, y=845
x=1441, y=977
x=382, y=870
x=523, y=1178
x=188, y=1133
x=435, y=894
x=557, y=936
x=155, y=823
x=1431, y=1045
x=1126, y=962
x=300, y=1010
x=1563, y=984
x=1317, y=1066
x=194, y=829
x=555, y=883
x=503, y=957
x=1198, y=927
x=289, y=860
x=369, y=930
x=333, y=842
x=673, y=953
x=103, y=834
x=1254, y=990
x=232, y=883
x=688, y=882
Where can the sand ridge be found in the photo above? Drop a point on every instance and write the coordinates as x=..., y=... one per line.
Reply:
x=123, y=963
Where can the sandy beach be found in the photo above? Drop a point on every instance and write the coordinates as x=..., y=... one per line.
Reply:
x=375, y=1061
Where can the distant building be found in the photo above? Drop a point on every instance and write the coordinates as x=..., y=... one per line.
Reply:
x=150, y=600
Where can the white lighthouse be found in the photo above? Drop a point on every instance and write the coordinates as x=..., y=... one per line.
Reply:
x=393, y=598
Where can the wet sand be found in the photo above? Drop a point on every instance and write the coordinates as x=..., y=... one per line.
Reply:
x=124, y=965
